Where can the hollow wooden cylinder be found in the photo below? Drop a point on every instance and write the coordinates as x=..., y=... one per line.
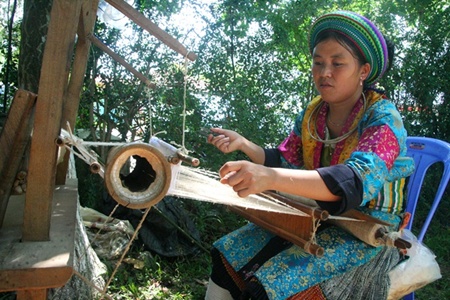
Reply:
x=146, y=184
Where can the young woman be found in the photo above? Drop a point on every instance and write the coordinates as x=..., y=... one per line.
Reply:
x=347, y=150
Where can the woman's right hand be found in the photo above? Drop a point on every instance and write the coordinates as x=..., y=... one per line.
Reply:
x=226, y=140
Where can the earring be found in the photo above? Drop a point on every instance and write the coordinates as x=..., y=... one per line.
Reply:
x=361, y=81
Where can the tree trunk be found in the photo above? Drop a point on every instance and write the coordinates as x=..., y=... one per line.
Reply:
x=36, y=14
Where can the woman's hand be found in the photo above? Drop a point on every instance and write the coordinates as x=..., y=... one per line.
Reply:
x=246, y=178
x=249, y=178
x=226, y=140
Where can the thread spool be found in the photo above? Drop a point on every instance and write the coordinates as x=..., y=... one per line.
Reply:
x=137, y=175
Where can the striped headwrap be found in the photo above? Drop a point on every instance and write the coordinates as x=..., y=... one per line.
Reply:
x=362, y=32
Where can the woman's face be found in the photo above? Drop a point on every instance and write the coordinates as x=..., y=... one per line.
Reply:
x=337, y=73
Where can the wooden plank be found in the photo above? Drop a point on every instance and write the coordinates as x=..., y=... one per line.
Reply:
x=53, y=82
x=14, y=139
x=88, y=16
x=44, y=264
x=32, y=294
x=152, y=28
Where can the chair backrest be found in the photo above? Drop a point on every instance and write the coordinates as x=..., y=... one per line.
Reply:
x=426, y=151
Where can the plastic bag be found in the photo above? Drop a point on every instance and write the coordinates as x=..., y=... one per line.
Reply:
x=114, y=236
x=418, y=270
x=111, y=16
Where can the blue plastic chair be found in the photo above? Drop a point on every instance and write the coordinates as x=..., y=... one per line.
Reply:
x=425, y=151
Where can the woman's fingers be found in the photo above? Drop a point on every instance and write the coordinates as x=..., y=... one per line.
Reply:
x=239, y=176
x=229, y=170
x=221, y=142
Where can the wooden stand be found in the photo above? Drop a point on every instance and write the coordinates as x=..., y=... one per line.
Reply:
x=30, y=268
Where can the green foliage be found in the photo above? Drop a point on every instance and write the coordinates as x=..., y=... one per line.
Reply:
x=9, y=54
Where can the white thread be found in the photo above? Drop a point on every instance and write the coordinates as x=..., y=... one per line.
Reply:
x=203, y=185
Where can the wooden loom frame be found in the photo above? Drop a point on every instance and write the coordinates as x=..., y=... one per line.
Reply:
x=37, y=230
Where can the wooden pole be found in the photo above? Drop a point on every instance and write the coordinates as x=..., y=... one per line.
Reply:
x=52, y=85
x=120, y=60
x=286, y=226
x=152, y=28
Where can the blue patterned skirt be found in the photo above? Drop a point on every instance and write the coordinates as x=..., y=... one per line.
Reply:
x=278, y=270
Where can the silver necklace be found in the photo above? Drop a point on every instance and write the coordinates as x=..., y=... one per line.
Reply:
x=332, y=123
x=337, y=139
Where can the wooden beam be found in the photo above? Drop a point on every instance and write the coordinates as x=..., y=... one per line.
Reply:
x=88, y=16
x=52, y=85
x=152, y=28
x=14, y=139
x=120, y=60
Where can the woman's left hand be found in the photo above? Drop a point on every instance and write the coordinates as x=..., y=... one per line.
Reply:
x=246, y=177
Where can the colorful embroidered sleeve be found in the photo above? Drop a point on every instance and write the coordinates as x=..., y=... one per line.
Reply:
x=382, y=141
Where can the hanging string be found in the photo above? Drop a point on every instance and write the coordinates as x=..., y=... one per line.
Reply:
x=144, y=216
x=150, y=112
x=315, y=225
x=185, y=79
x=88, y=282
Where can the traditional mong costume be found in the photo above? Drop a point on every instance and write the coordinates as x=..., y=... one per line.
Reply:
x=366, y=168
x=267, y=267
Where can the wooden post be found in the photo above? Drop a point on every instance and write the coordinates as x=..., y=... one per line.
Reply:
x=32, y=294
x=53, y=82
x=86, y=23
